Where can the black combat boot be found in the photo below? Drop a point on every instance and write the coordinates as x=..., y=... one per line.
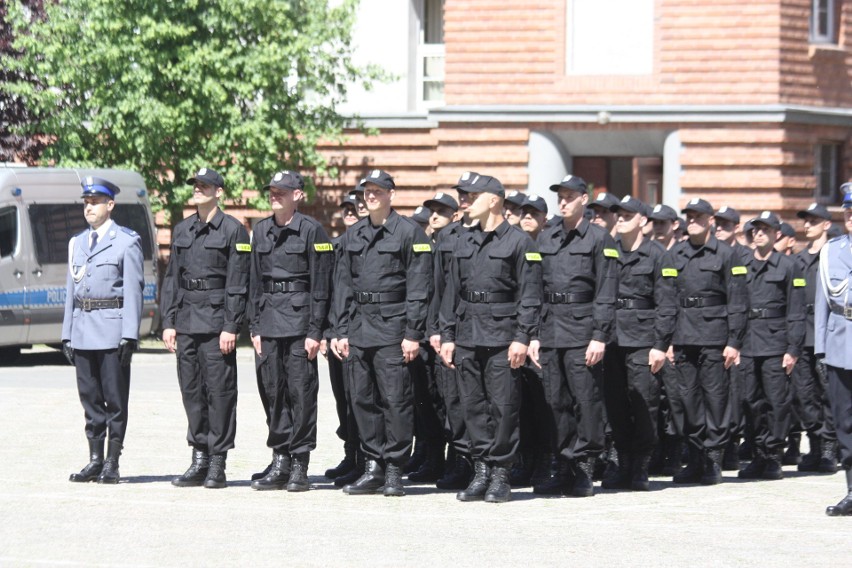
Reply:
x=731, y=456
x=522, y=470
x=619, y=477
x=541, y=468
x=346, y=465
x=828, y=461
x=639, y=472
x=793, y=455
x=673, y=453
x=559, y=480
x=355, y=473
x=216, y=474
x=197, y=472
x=478, y=485
x=810, y=461
x=712, y=467
x=844, y=508
x=694, y=468
x=371, y=482
x=109, y=474
x=499, y=490
x=459, y=476
x=266, y=470
x=755, y=469
x=298, y=480
x=393, y=481
x=584, y=470
x=432, y=467
x=96, y=463
x=418, y=456
x=773, y=470
x=278, y=474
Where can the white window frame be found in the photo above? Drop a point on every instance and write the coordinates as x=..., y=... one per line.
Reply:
x=424, y=52
x=830, y=35
x=827, y=183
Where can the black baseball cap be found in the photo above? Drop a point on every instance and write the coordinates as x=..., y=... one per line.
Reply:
x=631, y=204
x=516, y=198
x=816, y=210
x=421, y=214
x=286, y=180
x=846, y=190
x=728, y=214
x=662, y=212
x=444, y=199
x=769, y=219
x=483, y=184
x=349, y=199
x=465, y=179
x=787, y=230
x=604, y=200
x=536, y=202
x=208, y=176
x=575, y=183
x=99, y=186
x=698, y=205
x=377, y=177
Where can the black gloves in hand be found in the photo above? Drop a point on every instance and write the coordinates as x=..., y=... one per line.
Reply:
x=68, y=351
x=125, y=351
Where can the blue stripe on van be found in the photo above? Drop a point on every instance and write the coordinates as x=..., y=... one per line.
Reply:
x=47, y=297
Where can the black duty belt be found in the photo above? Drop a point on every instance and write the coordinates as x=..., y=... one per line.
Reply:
x=809, y=308
x=202, y=283
x=89, y=304
x=702, y=302
x=273, y=286
x=567, y=298
x=764, y=313
x=634, y=304
x=487, y=297
x=845, y=311
x=379, y=297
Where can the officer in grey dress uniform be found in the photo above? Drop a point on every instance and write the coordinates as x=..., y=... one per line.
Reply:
x=103, y=309
x=832, y=332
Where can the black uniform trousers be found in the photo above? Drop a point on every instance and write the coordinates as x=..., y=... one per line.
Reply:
x=490, y=392
x=632, y=397
x=454, y=427
x=104, y=389
x=428, y=411
x=347, y=429
x=840, y=395
x=208, y=385
x=739, y=404
x=382, y=401
x=770, y=400
x=288, y=386
x=810, y=402
x=535, y=417
x=574, y=395
x=671, y=404
x=705, y=390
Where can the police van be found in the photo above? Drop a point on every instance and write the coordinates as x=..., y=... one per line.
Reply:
x=40, y=210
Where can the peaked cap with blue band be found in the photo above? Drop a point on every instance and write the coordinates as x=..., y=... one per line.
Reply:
x=99, y=186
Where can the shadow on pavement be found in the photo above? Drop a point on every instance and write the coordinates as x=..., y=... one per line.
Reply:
x=148, y=478
x=36, y=359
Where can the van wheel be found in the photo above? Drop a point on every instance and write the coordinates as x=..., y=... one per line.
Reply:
x=9, y=355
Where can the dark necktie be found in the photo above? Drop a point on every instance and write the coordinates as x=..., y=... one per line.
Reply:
x=94, y=241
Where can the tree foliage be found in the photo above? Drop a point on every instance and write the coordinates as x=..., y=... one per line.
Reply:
x=167, y=86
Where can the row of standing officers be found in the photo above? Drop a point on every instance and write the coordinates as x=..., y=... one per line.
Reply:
x=582, y=327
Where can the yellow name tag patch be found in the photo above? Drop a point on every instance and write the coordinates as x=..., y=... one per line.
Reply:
x=799, y=282
x=669, y=272
x=323, y=247
x=533, y=257
x=422, y=248
x=610, y=253
x=243, y=247
x=739, y=270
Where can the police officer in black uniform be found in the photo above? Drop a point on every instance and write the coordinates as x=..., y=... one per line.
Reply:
x=711, y=300
x=383, y=281
x=644, y=327
x=203, y=303
x=489, y=313
x=773, y=343
x=810, y=382
x=580, y=284
x=288, y=305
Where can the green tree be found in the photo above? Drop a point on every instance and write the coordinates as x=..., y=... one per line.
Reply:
x=167, y=86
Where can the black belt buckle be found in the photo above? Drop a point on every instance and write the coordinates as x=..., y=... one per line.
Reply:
x=475, y=297
x=754, y=313
x=368, y=297
x=847, y=312
x=556, y=298
x=690, y=302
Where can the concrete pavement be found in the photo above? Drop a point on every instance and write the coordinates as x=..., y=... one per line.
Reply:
x=145, y=521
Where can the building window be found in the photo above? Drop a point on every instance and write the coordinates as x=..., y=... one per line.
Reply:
x=8, y=231
x=823, y=28
x=827, y=161
x=430, y=54
x=610, y=37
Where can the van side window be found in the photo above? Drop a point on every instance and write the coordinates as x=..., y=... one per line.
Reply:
x=8, y=231
x=55, y=223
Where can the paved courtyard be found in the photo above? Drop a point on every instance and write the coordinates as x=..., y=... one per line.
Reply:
x=145, y=521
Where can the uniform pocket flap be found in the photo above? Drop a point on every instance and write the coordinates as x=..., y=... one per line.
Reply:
x=711, y=265
x=106, y=260
x=263, y=247
x=387, y=246
x=500, y=253
x=295, y=246
x=215, y=241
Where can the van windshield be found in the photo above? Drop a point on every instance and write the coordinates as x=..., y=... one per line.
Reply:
x=55, y=223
